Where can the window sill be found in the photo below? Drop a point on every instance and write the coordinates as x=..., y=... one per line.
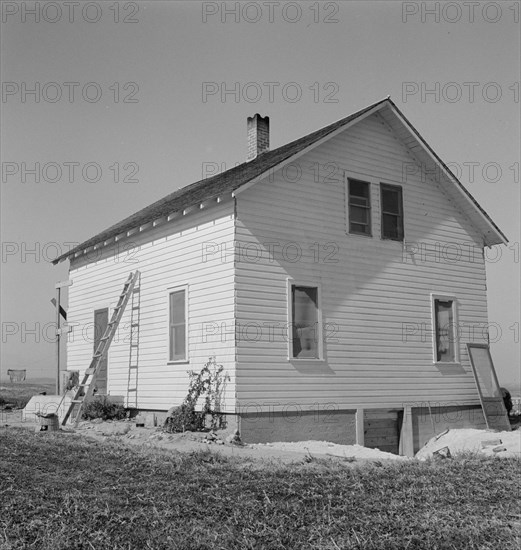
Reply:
x=389, y=239
x=367, y=236
x=447, y=364
x=179, y=362
x=306, y=360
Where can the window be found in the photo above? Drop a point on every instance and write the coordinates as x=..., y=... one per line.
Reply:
x=359, y=204
x=445, y=343
x=177, y=326
x=392, y=212
x=305, y=342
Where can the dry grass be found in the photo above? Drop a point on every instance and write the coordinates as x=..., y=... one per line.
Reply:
x=62, y=492
x=18, y=394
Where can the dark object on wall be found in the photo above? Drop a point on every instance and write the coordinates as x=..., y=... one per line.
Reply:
x=507, y=399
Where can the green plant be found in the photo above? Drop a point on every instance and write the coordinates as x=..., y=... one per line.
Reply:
x=101, y=407
x=208, y=384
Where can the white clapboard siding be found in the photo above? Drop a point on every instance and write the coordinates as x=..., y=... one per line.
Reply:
x=374, y=291
x=168, y=256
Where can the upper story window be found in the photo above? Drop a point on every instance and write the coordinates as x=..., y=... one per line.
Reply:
x=391, y=204
x=177, y=326
x=359, y=205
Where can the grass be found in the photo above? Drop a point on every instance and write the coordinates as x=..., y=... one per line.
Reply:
x=18, y=394
x=61, y=492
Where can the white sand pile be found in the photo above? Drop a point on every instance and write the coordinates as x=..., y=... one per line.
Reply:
x=317, y=448
x=487, y=442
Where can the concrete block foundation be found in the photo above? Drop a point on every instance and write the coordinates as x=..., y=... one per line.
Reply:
x=265, y=427
x=384, y=429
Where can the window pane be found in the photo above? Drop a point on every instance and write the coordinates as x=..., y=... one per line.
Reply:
x=177, y=307
x=444, y=330
x=358, y=214
x=390, y=201
x=359, y=207
x=392, y=212
x=391, y=227
x=358, y=188
x=359, y=201
x=359, y=228
x=179, y=341
x=305, y=322
x=177, y=322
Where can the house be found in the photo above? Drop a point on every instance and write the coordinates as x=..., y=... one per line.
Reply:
x=337, y=279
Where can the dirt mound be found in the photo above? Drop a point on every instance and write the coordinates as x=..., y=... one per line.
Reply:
x=487, y=442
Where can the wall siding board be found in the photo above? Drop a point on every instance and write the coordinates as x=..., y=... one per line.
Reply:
x=165, y=261
x=370, y=294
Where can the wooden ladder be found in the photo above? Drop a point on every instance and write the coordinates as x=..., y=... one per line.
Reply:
x=86, y=387
x=133, y=357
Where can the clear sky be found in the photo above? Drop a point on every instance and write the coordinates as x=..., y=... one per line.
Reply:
x=132, y=100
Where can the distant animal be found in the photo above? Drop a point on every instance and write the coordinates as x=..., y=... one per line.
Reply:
x=507, y=400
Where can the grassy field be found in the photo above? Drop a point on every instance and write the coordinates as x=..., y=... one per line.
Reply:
x=19, y=393
x=60, y=491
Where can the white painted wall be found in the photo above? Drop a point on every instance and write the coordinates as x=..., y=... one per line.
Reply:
x=171, y=255
x=374, y=292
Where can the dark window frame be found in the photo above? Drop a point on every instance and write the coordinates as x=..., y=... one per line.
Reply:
x=314, y=331
x=367, y=208
x=399, y=215
x=172, y=356
x=445, y=337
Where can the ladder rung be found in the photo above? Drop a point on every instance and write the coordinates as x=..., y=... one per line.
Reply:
x=134, y=345
x=132, y=389
x=77, y=401
x=135, y=307
x=135, y=325
x=132, y=366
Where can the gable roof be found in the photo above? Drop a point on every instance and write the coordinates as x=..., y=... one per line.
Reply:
x=235, y=178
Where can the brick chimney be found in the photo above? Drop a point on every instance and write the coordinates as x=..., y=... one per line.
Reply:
x=258, y=135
